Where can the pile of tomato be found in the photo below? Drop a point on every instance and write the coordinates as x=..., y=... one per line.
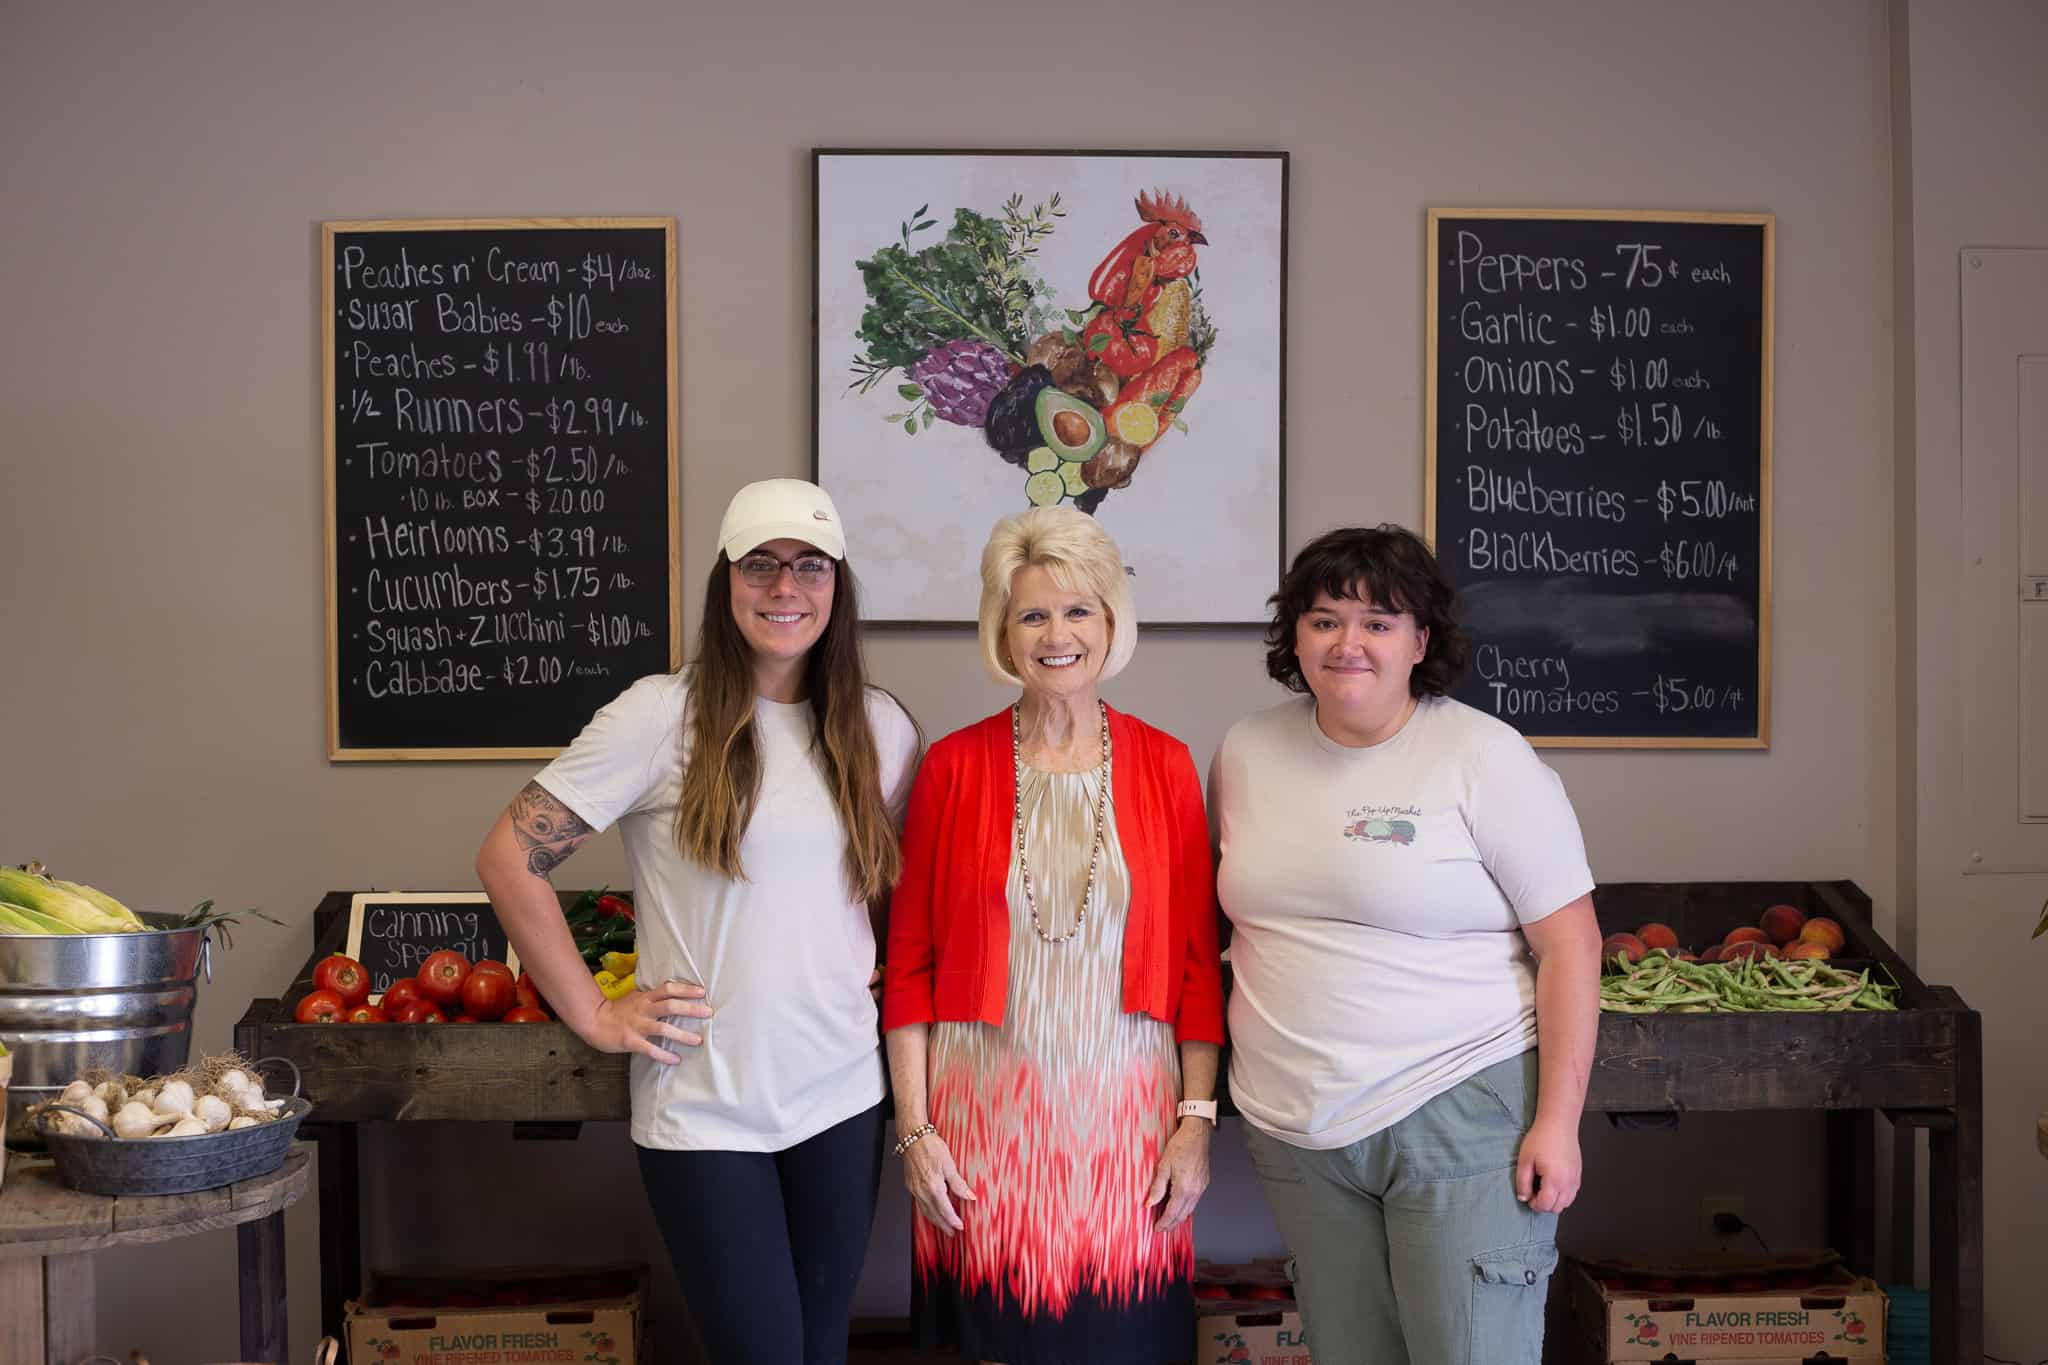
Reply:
x=447, y=990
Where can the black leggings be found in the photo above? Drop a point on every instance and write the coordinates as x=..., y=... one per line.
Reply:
x=768, y=1245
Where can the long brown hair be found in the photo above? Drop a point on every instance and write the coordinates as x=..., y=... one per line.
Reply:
x=722, y=777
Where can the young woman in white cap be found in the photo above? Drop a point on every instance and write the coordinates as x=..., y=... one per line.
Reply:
x=758, y=793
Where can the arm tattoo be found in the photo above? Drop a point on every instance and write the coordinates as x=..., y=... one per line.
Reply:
x=548, y=830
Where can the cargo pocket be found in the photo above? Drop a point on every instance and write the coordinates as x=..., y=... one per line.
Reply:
x=1509, y=1287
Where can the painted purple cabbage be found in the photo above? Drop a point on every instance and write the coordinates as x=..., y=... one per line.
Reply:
x=960, y=377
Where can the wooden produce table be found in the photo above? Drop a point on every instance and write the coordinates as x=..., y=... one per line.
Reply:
x=1921, y=1066
x=541, y=1078
x=48, y=1232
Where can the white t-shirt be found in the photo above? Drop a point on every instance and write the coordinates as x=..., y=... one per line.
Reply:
x=1377, y=896
x=784, y=957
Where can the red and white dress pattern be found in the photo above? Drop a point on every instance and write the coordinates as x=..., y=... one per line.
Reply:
x=1056, y=1121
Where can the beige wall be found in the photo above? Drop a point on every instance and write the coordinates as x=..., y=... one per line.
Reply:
x=166, y=171
x=1979, y=77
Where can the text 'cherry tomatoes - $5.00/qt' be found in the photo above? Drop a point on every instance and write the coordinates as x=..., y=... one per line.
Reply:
x=487, y=995
x=527, y=1014
x=442, y=975
x=345, y=977
x=367, y=1014
x=400, y=994
x=421, y=1012
x=320, y=1007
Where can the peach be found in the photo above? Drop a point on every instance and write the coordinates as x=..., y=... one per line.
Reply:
x=1781, y=923
x=1658, y=936
x=1622, y=945
x=1806, y=948
x=1714, y=954
x=1687, y=955
x=1821, y=929
x=1748, y=933
x=1736, y=952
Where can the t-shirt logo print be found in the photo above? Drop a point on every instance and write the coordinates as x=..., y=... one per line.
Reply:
x=1381, y=825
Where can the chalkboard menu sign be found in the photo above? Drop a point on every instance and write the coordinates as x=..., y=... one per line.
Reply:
x=1599, y=434
x=501, y=479
x=392, y=932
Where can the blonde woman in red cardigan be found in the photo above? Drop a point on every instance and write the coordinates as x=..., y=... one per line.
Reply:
x=1052, y=999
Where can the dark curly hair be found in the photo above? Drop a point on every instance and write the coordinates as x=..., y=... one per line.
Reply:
x=1387, y=565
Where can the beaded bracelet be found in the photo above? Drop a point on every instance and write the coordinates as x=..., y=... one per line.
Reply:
x=911, y=1138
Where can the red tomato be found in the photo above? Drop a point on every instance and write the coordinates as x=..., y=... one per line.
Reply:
x=368, y=1014
x=345, y=977
x=1268, y=1291
x=401, y=994
x=442, y=975
x=1212, y=1291
x=465, y=1019
x=527, y=993
x=320, y=1007
x=487, y=995
x=421, y=1012
x=527, y=1014
x=491, y=964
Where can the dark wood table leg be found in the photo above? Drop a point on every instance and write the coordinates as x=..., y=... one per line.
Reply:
x=1905, y=1194
x=259, y=1258
x=1852, y=1187
x=1955, y=1212
x=341, y=1240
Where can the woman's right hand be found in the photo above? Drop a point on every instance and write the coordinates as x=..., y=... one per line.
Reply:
x=930, y=1176
x=640, y=1021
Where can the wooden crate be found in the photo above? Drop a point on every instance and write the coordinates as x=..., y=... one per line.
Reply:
x=533, y=1073
x=1793, y=1060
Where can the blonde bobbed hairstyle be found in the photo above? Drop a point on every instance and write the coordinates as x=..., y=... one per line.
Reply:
x=1072, y=547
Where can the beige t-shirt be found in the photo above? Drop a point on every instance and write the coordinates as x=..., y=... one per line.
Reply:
x=1377, y=896
x=784, y=957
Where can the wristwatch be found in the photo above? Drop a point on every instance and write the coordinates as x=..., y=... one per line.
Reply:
x=1198, y=1109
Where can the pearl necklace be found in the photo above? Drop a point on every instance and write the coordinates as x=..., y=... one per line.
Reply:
x=1017, y=818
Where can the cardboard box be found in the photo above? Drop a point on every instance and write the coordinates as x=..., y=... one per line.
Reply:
x=1738, y=1311
x=526, y=1316
x=1241, y=1330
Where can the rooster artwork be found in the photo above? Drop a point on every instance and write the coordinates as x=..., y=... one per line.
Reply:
x=1074, y=397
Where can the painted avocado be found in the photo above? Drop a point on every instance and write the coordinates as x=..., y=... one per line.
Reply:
x=1071, y=428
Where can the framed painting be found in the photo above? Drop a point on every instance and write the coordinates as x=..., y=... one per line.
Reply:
x=1000, y=330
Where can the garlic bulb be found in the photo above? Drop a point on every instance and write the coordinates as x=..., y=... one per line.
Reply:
x=111, y=1092
x=78, y=1092
x=234, y=1081
x=213, y=1111
x=240, y=1121
x=146, y=1097
x=186, y=1127
x=135, y=1120
x=175, y=1098
x=97, y=1107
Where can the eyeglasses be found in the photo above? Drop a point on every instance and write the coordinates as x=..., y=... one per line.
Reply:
x=765, y=571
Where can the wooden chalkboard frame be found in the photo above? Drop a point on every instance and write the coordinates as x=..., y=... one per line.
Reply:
x=1769, y=223
x=328, y=232
x=362, y=901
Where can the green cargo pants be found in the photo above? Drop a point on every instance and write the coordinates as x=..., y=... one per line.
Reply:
x=1409, y=1246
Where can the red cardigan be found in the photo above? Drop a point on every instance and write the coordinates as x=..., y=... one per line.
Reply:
x=949, y=918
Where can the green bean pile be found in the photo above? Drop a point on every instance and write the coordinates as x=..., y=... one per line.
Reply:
x=1662, y=984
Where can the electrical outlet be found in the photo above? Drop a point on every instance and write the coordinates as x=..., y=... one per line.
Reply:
x=1716, y=1204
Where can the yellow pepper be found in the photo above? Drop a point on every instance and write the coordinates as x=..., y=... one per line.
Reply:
x=621, y=964
x=605, y=980
x=622, y=986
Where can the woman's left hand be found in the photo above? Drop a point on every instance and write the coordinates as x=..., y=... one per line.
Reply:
x=1182, y=1175
x=1547, y=1173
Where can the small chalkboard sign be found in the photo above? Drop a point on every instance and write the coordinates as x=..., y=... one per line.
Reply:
x=1599, y=430
x=392, y=932
x=501, y=443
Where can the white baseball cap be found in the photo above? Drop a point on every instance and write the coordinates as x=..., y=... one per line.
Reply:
x=780, y=509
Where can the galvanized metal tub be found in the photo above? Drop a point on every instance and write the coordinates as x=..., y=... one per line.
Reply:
x=69, y=1002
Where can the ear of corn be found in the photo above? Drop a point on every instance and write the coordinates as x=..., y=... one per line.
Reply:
x=19, y=919
x=46, y=897
x=100, y=899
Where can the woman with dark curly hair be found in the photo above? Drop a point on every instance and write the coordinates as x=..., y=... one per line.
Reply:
x=1417, y=969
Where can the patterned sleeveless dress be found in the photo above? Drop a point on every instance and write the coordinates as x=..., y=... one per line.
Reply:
x=1056, y=1121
